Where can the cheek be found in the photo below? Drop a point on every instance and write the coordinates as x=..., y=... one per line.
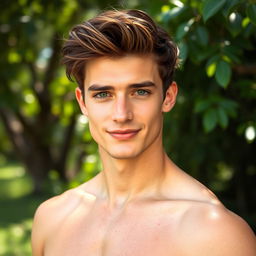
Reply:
x=95, y=130
x=96, y=113
x=152, y=111
x=95, y=119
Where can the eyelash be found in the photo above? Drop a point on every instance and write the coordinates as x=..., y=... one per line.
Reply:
x=145, y=92
x=99, y=94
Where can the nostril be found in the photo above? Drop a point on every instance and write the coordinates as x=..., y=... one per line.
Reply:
x=122, y=111
x=122, y=115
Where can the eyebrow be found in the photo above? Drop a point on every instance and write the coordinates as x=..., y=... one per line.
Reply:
x=98, y=87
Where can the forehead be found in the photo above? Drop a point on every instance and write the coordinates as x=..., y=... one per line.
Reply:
x=121, y=70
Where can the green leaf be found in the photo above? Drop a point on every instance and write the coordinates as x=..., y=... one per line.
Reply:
x=249, y=30
x=14, y=57
x=211, y=65
x=231, y=53
x=68, y=108
x=198, y=53
x=223, y=73
x=245, y=22
x=235, y=24
x=222, y=117
x=210, y=119
x=202, y=35
x=229, y=6
x=230, y=107
x=211, y=69
x=173, y=13
x=251, y=13
x=183, y=29
x=201, y=105
x=183, y=51
x=211, y=7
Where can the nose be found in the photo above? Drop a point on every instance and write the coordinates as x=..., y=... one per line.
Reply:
x=122, y=111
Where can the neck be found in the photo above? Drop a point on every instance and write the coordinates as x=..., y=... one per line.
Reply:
x=126, y=179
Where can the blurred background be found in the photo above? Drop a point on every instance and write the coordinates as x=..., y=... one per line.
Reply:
x=45, y=145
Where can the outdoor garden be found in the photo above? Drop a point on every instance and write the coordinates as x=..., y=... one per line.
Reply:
x=45, y=144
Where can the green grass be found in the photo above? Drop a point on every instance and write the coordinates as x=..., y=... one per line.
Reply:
x=15, y=239
x=17, y=207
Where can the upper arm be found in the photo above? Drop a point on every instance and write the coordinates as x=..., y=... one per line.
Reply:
x=232, y=236
x=222, y=233
x=39, y=230
x=49, y=217
x=45, y=220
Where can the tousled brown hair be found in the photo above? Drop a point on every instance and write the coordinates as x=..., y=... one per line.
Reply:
x=115, y=34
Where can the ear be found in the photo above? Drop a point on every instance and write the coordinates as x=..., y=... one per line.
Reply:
x=170, y=97
x=80, y=100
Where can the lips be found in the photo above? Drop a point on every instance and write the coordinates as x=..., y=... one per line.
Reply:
x=123, y=134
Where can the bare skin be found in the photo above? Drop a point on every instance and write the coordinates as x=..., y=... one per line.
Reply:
x=141, y=203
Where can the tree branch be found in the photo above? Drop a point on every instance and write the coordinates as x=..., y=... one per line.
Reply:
x=245, y=69
x=53, y=62
x=65, y=147
x=35, y=85
x=15, y=130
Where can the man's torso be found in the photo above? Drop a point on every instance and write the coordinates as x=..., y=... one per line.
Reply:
x=149, y=227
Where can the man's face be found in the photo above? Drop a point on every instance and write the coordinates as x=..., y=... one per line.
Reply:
x=124, y=104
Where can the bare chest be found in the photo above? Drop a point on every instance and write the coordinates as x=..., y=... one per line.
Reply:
x=134, y=233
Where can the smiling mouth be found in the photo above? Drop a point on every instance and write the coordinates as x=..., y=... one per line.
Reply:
x=123, y=134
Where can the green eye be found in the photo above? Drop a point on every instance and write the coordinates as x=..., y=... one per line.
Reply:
x=142, y=92
x=101, y=95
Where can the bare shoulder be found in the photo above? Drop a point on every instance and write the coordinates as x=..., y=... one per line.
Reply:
x=214, y=230
x=207, y=227
x=53, y=212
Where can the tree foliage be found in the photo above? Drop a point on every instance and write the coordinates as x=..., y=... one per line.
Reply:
x=211, y=131
x=37, y=102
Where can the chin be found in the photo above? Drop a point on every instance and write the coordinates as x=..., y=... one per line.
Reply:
x=122, y=155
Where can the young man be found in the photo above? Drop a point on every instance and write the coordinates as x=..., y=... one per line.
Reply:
x=141, y=203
